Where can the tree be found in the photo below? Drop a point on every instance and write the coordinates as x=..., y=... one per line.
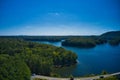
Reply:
x=12, y=68
x=104, y=72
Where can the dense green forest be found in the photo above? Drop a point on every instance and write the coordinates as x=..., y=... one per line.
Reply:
x=113, y=38
x=19, y=58
x=13, y=68
x=83, y=42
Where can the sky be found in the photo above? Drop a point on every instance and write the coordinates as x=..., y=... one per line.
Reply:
x=59, y=17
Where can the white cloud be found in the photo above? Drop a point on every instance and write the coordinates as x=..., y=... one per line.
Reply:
x=28, y=27
x=54, y=13
x=57, y=14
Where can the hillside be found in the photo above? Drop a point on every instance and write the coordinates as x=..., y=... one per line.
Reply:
x=113, y=37
x=110, y=35
x=19, y=59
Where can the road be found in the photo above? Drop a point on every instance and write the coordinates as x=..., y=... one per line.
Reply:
x=85, y=78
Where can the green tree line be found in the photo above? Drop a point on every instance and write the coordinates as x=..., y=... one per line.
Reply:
x=83, y=42
x=30, y=57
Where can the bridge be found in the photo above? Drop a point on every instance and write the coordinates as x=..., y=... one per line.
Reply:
x=84, y=78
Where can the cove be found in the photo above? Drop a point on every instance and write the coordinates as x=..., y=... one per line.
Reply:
x=91, y=61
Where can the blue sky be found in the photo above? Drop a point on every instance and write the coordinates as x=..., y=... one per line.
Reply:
x=58, y=17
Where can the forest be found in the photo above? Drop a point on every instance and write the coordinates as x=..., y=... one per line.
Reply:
x=83, y=42
x=19, y=58
x=113, y=38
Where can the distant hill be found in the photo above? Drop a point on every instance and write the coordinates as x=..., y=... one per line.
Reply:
x=113, y=37
x=110, y=35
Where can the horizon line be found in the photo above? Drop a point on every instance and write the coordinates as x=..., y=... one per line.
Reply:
x=58, y=35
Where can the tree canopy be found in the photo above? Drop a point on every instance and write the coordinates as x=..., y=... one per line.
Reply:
x=31, y=57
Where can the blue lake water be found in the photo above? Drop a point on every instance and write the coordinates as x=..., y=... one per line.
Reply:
x=91, y=61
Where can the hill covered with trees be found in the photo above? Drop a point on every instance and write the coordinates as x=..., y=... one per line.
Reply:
x=113, y=38
x=110, y=35
x=19, y=58
x=13, y=68
x=83, y=42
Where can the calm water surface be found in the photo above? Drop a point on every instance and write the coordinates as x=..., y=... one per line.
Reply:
x=91, y=61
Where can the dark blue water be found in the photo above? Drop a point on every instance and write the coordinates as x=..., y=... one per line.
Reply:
x=93, y=60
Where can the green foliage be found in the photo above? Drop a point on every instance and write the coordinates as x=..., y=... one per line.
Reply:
x=71, y=76
x=40, y=58
x=115, y=41
x=39, y=79
x=12, y=68
x=83, y=42
x=42, y=38
x=104, y=72
x=54, y=75
x=112, y=37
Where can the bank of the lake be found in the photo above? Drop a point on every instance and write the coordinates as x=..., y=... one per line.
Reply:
x=91, y=61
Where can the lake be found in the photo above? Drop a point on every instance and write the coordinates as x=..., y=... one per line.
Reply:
x=92, y=60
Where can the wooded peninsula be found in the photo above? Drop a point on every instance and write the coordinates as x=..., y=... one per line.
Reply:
x=20, y=56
